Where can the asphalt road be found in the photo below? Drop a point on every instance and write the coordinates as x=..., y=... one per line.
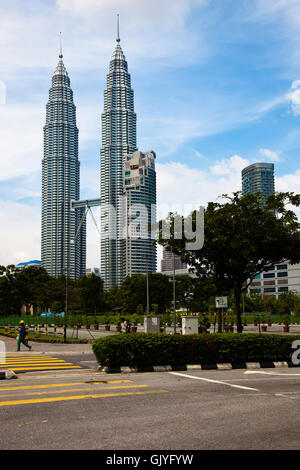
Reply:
x=200, y=410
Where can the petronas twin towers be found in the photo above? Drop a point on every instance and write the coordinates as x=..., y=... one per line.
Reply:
x=126, y=176
x=63, y=252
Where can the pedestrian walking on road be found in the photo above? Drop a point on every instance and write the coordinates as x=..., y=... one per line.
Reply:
x=21, y=338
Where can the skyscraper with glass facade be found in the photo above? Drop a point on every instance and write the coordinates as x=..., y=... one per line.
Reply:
x=118, y=140
x=63, y=240
x=258, y=177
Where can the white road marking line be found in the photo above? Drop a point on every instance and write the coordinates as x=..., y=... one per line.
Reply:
x=213, y=381
x=269, y=373
x=285, y=396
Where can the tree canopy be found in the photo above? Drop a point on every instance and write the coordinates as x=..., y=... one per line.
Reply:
x=241, y=236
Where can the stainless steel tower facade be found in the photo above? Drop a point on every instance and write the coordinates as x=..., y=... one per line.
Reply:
x=118, y=139
x=63, y=245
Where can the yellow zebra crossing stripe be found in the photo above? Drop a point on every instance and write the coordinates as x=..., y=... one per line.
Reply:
x=29, y=387
x=35, y=362
x=61, y=391
x=77, y=397
x=114, y=387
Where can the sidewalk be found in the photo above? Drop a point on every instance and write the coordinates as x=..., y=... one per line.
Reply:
x=46, y=348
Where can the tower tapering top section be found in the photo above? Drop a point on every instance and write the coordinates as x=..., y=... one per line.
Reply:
x=118, y=29
x=60, y=47
x=118, y=53
x=60, y=69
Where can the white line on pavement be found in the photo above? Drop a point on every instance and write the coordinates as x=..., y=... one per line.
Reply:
x=284, y=395
x=268, y=373
x=213, y=381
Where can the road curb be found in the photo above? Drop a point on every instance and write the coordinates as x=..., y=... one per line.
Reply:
x=191, y=367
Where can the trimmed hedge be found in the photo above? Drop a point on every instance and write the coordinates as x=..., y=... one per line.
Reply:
x=148, y=349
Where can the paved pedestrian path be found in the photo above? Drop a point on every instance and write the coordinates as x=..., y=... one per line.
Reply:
x=46, y=348
x=19, y=362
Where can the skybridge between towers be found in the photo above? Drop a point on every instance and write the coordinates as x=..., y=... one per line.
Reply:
x=85, y=203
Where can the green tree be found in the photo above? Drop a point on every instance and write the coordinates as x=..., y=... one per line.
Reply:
x=242, y=236
x=256, y=303
x=134, y=292
x=270, y=303
x=30, y=283
x=57, y=307
x=92, y=293
x=286, y=303
x=185, y=289
x=10, y=298
x=113, y=298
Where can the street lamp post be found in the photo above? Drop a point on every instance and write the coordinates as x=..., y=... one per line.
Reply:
x=174, y=294
x=147, y=286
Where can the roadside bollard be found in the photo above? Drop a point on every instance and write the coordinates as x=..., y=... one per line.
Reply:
x=46, y=329
x=36, y=329
x=55, y=333
x=6, y=330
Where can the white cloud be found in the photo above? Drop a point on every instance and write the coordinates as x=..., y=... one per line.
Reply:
x=20, y=234
x=286, y=10
x=21, y=140
x=233, y=165
x=269, y=155
x=293, y=97
x=288, y=182
x=182, y=187
x=149, y=28
x=295, y=84
x=199, y=154
x=30, y=37
x=20, y=240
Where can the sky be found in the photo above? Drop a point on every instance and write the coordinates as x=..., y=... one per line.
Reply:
x=216, y=86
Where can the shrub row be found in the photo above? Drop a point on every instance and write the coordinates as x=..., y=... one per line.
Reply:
x=142, y=349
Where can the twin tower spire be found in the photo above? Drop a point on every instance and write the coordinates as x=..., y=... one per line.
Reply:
x=117, y=39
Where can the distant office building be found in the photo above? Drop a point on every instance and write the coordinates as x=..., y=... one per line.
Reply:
x=258, y=177
x=27, y=264
x=63, y=246
x=139, y=186
x=275, y=280
x=170, y=260
x=90, y=271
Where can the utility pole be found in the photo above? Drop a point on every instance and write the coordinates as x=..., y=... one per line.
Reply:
x=174, y=294
x=147, y=287
x=66, y=307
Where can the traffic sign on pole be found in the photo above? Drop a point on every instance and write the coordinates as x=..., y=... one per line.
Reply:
x=221, y=302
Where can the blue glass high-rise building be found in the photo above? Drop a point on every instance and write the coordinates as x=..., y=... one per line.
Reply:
x=258, y=177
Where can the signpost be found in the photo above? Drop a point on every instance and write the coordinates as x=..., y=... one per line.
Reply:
x=221, y=302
